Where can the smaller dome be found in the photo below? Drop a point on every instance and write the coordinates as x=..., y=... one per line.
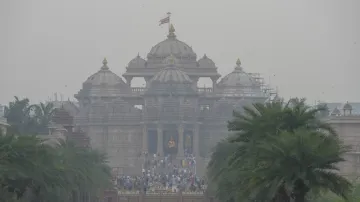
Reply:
x=171, y=74
x=104, y=83
x=237, y=78
x=62, y=117
x=335, y=112
x=104, y=76
x=137, y=62
x=206, y=62
x=347, y=106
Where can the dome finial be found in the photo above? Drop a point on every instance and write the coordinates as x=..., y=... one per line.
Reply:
x=238, y=62
x=104, y=67
x=171, y=31
x=238, y=65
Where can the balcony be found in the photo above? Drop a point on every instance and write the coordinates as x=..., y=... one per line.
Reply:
x=141, y=90
x=138, y=90
x=204, y=90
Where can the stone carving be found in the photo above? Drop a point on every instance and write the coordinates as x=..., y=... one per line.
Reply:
x=146, y=119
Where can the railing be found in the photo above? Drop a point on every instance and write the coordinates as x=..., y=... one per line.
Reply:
x=138, y=90
x=141, y=90
x=205, y=90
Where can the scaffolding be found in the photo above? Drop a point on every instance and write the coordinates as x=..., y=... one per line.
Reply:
x=266, y=88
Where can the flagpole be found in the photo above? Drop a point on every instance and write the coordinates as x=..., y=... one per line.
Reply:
x=169, y=15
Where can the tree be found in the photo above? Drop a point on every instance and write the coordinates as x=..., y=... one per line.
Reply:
x=354, y=196
x=32, y=170
x=43, y=115
x=221, y=177
x=298, y=161
x=28, y=119
x=19, y=118
x=276, y=117
x=254, y=127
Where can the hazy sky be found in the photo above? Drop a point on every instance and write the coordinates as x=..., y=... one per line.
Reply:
x=308, y=48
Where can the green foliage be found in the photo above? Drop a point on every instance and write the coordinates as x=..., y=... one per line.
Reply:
x=220, y=173
x=31, y=170
x=43, y=114
x=28, y=119
x=354, y=196
x=281, y=151
x=18, y=116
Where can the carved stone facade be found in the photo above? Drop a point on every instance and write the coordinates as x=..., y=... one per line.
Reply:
x=174, y=117
x=346, y=121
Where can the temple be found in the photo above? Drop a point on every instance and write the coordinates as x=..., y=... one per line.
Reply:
x=170, y=115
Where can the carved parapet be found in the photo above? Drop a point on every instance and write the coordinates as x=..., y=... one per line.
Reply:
x=138, y=90
x=204, y=90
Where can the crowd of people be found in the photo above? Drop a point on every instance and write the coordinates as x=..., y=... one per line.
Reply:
x=164, y=174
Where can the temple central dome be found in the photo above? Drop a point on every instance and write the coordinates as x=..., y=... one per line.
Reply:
x=171, y=74
x=171, y=80
x=172, y=46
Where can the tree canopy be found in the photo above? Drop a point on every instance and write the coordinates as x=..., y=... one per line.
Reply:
x=32, y=170
x=28, y=119
x=281, y=151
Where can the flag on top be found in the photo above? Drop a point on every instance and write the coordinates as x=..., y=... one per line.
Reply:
x=164, y=20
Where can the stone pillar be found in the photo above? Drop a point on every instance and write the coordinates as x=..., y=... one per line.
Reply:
x=147, y=80
x=214, y=83
x=160, y=141
x=145, y=139
x=195, y=80
x=196, y=140
x=128, y=80
x=181, y=140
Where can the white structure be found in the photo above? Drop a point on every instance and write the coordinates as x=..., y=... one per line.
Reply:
x=345, y=119
x=3, y=121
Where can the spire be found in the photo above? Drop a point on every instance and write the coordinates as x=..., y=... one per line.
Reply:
x=205, y=56
x=238, y=65
x=171, y=32
x=238, y=62
x=104, y=67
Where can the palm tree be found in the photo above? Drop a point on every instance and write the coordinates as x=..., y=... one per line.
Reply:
x=219, y=172
x=86, y=170
x=17, y=115
x=33, y=170
x=43, y=114
x=22, y=164
x=256, y=125
x=275, y=117
x=261, y=120
x=298, y=161
x=354, y=196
